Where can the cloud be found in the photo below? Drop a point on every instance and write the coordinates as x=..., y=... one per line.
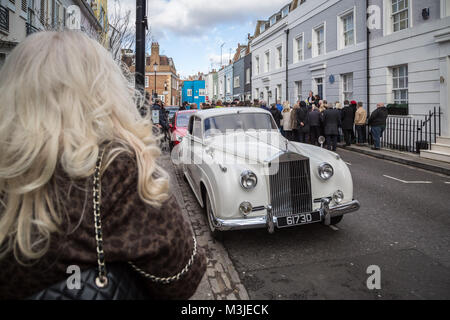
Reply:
x=193, y=18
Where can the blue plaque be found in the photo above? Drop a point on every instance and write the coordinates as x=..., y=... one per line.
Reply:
x=331, y=79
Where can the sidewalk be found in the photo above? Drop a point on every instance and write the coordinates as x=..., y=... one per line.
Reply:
x=221, y=281
x=407, y=158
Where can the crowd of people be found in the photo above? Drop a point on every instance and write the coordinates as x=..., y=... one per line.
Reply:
x=307, y=120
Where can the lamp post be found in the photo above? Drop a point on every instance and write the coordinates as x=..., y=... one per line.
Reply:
x=155, y=67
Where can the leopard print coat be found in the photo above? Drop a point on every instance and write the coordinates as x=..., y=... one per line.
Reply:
x=158, y=241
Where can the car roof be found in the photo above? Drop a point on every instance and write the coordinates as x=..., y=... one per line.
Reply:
x=208, y=113
x=186, y=111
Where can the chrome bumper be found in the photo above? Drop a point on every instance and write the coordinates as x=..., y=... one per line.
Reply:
x=269, y=221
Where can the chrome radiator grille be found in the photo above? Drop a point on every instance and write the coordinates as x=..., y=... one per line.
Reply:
x=290, y=188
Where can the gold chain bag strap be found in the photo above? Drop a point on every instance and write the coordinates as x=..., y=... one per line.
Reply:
x=102, y=279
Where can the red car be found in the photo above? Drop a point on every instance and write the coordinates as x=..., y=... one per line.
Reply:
x=179, y=126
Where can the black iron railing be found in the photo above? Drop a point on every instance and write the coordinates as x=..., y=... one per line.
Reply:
x=4, y=19
x=409, y=134
x=31, y=29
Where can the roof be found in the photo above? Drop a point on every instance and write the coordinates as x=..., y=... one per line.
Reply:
x=208, y=113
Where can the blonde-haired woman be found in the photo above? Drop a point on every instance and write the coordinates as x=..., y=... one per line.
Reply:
x=286, y=120
x=64, y=103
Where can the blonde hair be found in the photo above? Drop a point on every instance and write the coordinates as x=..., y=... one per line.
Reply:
x=286, y=106
x=62, y=96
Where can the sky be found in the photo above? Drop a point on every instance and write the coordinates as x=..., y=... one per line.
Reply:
x=192, y=31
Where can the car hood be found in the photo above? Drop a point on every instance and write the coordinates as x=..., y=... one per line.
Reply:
x=264, y=146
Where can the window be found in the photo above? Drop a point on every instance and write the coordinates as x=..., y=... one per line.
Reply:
x=24, y=5
x=278, y=93
x=228, y=85
x=285, y=12
x=189, y=92
x=319, y=41
x=247, y=76
x=236, y=82
x=400, y=12
x=256, y=93
x=202, y=92
x=42, y=16
x=197, y=130
x=299, y=88
x=146, y=82
x=257, y=65
x=280, y=56
x=346, y=27
x=347, y=86
x=267, y=64
x=400, y=84
x=445, y=8
x=299, y=48
x=262, y=27
x=273, y=20
x=319, y=86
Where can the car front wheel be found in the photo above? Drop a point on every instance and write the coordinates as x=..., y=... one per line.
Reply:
x=216, y=234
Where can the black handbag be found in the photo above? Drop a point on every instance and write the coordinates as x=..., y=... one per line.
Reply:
x=120, y=281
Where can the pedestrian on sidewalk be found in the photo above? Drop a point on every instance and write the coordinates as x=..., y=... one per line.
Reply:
x=331, y=119
x=347, y=123
x=354, y=106
x=314, y=122
x=310, y=100
x=360, y=123
x=302, y=118
x=286, y=121
x=276, y=114
x=377, y=122
x=264, y=105
x=56, y=131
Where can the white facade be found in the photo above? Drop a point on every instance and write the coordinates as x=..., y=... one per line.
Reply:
x=420, y=48
x=269, y=63
x=209, y=83
x=221, y=85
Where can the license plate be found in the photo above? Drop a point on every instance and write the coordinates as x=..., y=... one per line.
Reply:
x=298, y=219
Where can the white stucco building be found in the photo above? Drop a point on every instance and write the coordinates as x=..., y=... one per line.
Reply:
x=410, y=56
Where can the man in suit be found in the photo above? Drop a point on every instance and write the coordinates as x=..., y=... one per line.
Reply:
x=331, y=119
x=348, y=119
x=302, y=117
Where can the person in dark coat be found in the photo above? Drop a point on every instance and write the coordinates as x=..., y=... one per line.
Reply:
x=354, y=106
x=302, y=118
x=348, y=119
x=162, y=119
x=377, y=121
x=314, y=123
x=276, y=114
x=331, y=119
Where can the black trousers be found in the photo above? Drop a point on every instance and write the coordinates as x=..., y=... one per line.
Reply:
x=303, y=137
x=348, y=136
x=314, y=134
x=332, y=142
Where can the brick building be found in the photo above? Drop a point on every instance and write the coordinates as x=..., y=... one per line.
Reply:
x=168, y=86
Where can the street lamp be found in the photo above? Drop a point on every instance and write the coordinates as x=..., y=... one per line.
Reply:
x=155, y=67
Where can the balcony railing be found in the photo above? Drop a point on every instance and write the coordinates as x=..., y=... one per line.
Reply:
x=4, y=19
x=31, y=29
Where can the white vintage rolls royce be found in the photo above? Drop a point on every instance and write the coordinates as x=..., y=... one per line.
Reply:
x=247, y=175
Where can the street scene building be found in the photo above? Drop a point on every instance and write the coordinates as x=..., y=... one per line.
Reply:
x=311, y=163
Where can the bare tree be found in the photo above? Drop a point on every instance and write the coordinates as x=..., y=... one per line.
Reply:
x=123, y=31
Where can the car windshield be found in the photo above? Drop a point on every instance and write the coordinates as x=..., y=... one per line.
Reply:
x=183, y=119
x=238, y=121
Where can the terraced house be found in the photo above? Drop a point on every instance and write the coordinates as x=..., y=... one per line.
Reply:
x=20, y=18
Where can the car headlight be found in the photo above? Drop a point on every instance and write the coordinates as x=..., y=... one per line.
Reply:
x=248, y=180
x=326, y=171
x=338, y=196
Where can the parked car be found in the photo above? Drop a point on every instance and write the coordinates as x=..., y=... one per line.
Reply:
x=178, y=126
x=271, y=182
